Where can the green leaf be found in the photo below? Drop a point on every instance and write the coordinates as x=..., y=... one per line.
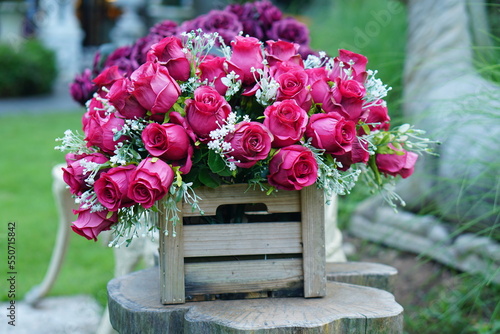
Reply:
x=216, y=162
x=208, y=179
x=366, y=128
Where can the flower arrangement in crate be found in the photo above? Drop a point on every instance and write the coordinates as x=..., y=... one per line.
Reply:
x=224, y=104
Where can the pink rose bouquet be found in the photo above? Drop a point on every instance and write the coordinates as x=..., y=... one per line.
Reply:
x=203, y=108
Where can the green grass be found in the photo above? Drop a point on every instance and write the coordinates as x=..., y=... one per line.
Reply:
x=28, y=156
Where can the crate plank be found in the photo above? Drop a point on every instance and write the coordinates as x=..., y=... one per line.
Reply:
x=242, y=276
x=313, y=237
x=280, y=202
x=242, y=239
x=171, y=260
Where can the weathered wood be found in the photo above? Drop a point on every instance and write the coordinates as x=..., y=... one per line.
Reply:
x=135, y=307
x=284, y=201
x=213, y=246
x=242, y=239
x=243, y=276
x=171, y=259
x=375, y=275
x=313, y=238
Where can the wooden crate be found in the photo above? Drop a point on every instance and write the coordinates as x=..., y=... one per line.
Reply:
x=246, y=260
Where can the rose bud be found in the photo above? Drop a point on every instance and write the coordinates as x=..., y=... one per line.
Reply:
x=90, y=224
x=397, y=163
x=168, y=52
x=247, y=55
x=154, y=88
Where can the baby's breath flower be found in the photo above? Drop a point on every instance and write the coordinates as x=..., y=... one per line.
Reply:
x=314, y=61
x=232, y=83
x=268, y=88
x=219, y=145
x=375, y=88
x=73, y=142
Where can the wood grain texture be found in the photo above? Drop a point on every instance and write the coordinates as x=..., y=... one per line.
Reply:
x=280, y=202
x=171, y=259
x=374, y=275
x=135, y=307
x=242, y=239
x=243, y=276
x=313, y=239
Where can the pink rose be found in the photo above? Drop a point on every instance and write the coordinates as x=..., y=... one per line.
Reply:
x=293, y=85
x=331, y=132
x=108, y=76
x=350, y=89
x=286, y=121
x=112, y=186
x=213, y=70
x=358, y=153
x=170, y=142
x=90, y=224
x=293, y=168
x=250, y=142
x=168, y=52
x=74, y=174
x=376, y=116
x=121, y=98
x=401, y=162
x=325, y=94
x=350, y=60
x=154, y=88
x=247, y=54
x=150, y=182
x=206, y=111
x=281, y=51
x=99, y=127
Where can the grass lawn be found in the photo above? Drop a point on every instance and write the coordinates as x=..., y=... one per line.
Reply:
x=28, y=156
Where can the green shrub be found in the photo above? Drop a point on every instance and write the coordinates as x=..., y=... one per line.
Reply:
x=26, y=69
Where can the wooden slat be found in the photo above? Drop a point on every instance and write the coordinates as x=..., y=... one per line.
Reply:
x=242, y=239
x=280, y=202
x=313, y=237
x=171, y=260
x=243, y=276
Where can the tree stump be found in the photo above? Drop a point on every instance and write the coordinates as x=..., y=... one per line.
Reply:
x=135, y=307
x=374, y=275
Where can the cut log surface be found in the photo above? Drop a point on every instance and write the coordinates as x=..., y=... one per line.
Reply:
x=375, y=275
x=135, y=307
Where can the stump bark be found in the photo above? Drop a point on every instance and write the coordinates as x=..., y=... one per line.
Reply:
x=135, y=307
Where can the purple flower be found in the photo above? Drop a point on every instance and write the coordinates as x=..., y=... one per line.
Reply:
x=163, y=29
x=82, y=87
x=122, y=57
x=290, y=30
x=142, y=46
x=225, y=23
x=268, y=13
